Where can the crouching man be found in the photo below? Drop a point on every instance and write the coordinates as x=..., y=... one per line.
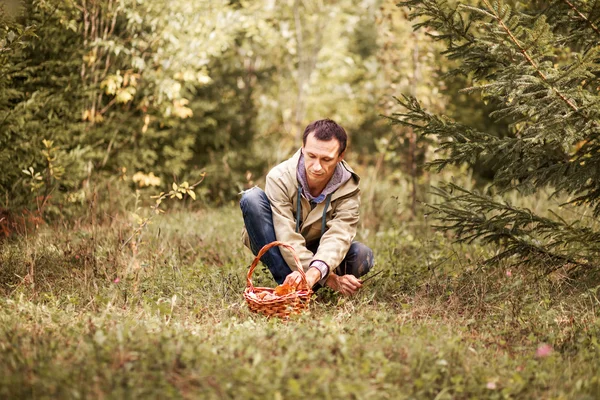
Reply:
x=311, y=202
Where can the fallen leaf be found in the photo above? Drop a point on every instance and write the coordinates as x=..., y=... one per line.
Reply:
x=544, y=350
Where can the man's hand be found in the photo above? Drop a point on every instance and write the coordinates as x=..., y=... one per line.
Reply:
x=345, y=284
x=295, y=279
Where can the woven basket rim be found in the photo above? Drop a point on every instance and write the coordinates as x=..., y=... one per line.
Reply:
x=281, y=306
x=280, y=299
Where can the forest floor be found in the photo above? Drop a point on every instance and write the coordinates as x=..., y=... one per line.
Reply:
x=86, y=314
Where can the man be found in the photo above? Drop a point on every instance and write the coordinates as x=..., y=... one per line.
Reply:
x=310, y=202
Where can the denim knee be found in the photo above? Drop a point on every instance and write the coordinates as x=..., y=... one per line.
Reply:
x=364, y=256
x=253, y=199
x=358, y=260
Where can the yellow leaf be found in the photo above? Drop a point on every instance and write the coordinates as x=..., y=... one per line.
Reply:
x=124, y=96
x=138, y=220
x=174, y=186
x=192, y=194
x=179, y=196
x=109, y=85
x=180, y=109
x=203, y=78
x=146, y=180
x=146, y=123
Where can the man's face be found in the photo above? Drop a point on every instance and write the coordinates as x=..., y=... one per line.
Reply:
x=320, y=159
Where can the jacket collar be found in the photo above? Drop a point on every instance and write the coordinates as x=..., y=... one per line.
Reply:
x=340, y=176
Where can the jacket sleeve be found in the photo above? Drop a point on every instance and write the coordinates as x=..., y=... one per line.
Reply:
x=285, y=223
x=336, y=241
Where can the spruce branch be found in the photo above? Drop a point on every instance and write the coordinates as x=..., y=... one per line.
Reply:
x=520, y=232
x=580, y=14
x=590, y=120
x=462, y=144
x=530, y=60
x=449, y=20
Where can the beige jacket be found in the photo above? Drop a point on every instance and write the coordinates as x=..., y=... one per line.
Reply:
x=341, y=219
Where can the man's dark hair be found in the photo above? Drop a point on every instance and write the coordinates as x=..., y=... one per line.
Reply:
x=326, y=129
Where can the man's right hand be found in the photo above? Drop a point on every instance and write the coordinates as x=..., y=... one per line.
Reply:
x=345, y=284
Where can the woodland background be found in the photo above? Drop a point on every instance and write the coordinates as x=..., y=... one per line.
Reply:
x=128, y=128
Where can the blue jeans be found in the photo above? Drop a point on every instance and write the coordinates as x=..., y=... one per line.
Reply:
x=258, y=219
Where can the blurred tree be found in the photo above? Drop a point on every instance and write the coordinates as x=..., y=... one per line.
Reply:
x=129, y=87
x=409, y=62
x=108, y=82
x=537, y=65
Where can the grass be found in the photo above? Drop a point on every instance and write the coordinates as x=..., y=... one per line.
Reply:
x=84, y=315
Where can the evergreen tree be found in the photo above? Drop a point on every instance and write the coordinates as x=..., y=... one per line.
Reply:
x=538, y=63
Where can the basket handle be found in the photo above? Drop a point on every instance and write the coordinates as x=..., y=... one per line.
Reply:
x=266, y=248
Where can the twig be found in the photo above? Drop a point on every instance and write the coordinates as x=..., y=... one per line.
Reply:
x=590, y=23
x=370, y=277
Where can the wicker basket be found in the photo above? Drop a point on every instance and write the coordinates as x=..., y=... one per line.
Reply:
x=280, y=306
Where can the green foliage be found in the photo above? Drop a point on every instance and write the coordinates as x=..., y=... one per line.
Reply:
x=107, y=83
x=38, y=97
x=175, y=88
x=540, y=73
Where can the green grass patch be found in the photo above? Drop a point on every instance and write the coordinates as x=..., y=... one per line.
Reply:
x=84, y=315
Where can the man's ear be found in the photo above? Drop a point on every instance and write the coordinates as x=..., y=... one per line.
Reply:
x=341, y=156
